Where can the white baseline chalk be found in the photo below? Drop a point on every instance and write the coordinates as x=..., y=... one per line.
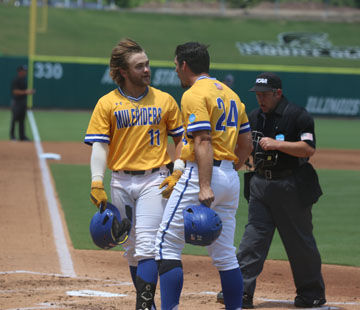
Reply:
x=66, y=264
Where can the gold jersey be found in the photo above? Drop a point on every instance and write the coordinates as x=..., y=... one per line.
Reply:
x=136, y=129
x=211, y=105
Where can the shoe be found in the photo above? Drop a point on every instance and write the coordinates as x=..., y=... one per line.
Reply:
x=303, y=302
x=220, y=298
x=12, y=138
x=247, y=302
x=25, y=139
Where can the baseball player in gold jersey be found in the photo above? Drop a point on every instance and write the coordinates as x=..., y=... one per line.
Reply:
x=128, y=131
x=217, y=141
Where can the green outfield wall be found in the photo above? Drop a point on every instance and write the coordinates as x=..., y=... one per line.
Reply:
x=77, y=83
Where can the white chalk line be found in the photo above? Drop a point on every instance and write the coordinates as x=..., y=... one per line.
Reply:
x=92, y=293
x=346, y=303
x=66, y=264
x=44, y=305
x=38, y=273
x=325, y=307
x=80, y=293
x=109, y=281
x=53, y=289
x=322, y=307
x=290, y=302
x=201, y=293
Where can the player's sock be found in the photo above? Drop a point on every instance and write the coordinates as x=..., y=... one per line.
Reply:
x=232, y=288
x=146, y=280
x=133, y=270
x=147, y=270
x=171, y=282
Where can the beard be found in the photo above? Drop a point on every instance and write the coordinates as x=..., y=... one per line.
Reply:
x=184, y=85
x=140, y=81
x=183, y=82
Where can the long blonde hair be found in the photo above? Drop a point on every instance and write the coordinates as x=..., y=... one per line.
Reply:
x=120, y=56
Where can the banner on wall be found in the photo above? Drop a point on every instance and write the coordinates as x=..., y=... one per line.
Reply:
x=65, y=85
x=303, y=44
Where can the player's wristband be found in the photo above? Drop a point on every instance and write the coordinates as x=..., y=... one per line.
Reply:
x=179, y=165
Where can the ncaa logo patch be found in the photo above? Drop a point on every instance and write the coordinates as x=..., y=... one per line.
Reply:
x=192, y=118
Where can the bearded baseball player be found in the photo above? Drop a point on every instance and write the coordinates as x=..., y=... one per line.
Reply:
x=216, y=143
x=128, y=131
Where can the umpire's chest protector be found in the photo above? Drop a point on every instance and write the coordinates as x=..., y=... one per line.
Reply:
x=282, y=122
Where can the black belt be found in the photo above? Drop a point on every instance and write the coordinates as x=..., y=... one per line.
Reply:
x=274, y=174
x=217, y=163
x=140, y=172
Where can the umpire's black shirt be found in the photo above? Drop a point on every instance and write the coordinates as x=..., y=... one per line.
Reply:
x=287, y=122
x=19, y=83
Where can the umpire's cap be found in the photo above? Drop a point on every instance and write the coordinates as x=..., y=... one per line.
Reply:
x=266, y=81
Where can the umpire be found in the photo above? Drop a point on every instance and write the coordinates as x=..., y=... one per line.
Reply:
x=282, y=190
x=19, y=93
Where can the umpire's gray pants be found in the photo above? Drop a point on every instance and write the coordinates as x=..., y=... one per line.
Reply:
x=275, y=204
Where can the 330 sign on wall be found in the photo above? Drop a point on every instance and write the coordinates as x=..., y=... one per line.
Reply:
x=48, y=70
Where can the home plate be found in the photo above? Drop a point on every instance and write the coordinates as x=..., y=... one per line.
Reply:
x=91, y=293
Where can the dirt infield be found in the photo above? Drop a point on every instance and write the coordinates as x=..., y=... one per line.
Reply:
x=30, y=272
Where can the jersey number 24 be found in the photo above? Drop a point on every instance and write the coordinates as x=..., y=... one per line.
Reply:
x=227, y=120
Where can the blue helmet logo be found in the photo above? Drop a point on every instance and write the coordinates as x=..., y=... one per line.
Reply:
x=202, y=225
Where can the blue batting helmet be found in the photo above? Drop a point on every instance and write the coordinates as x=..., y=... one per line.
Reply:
x=106, y=227
x=202, y=225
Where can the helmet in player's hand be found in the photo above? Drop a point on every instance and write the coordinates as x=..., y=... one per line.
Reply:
x=107, y=229
x=202, y=225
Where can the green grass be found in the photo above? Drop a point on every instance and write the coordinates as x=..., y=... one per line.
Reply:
x=335, y=216
x=62, y=125
x=5, y=120
x=335, y=230
x=341, y=205
x=72, y=186
x=53, y=125
x=93, y=33
x=337, y=133
x=57, y=125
